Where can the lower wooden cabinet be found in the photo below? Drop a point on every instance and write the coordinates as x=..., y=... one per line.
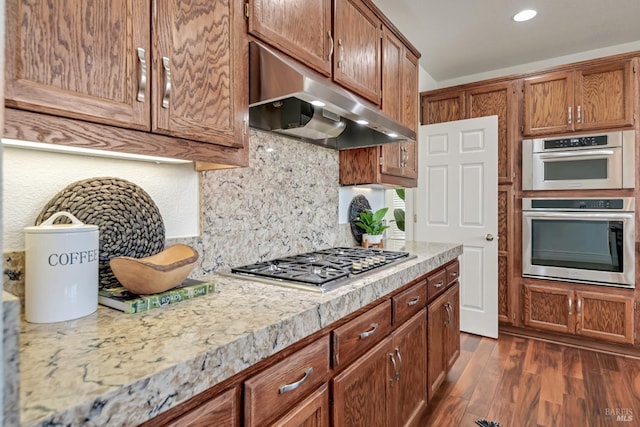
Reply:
x=311, y=412
x=223, y=411
x=387, y=385
x=278, y=388
x=443, y=336
x=607, y=316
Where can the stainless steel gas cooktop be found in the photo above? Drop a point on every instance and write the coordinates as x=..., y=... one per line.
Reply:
x=322, y=270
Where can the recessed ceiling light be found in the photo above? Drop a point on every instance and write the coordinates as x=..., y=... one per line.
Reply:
x=362, y=122
x=524, y=15
x=318, y=103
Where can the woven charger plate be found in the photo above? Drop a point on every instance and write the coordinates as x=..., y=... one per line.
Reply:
x=128, y=220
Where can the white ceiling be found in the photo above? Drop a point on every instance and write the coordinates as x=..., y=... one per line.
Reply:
x=467, y=37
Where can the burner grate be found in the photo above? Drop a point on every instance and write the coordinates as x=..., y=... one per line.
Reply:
x=322, y=267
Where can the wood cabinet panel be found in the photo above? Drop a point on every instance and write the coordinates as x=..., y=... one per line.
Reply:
x=505, y=253
x=549, y=308
x=355, y=337
x=436, y=283
x=604, y=96
x=548, y=103
x=223, y=411
x=311, y=412
x=392, y=64
x=437, y=316
x=360, y=391
x=605, y=316
x=200, y=71
x=277, y=388
x=61, y=61
x=443, y=107
x=409, y=302
x=409, y=391
x=453, y=272
x=452, y=324
x=301, y=29
x=497, y=99
x=357, y=48
x=409, y=78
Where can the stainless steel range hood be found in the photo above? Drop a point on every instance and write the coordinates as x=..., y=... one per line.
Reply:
x=283, y=96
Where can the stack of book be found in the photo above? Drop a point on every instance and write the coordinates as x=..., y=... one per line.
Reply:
x=121, y=299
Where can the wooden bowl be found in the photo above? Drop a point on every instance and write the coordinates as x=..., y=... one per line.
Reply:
x=156, y=273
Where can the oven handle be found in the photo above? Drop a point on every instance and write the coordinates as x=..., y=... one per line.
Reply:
x=578, y=155
x=591, y=215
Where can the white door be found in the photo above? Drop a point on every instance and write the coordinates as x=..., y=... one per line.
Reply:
x=457, y=201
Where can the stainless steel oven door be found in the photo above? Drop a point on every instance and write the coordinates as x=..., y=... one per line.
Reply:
x=585, y=247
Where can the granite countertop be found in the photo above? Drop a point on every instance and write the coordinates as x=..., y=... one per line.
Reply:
x=111, y=368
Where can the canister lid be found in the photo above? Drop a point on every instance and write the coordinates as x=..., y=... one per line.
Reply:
x=49, y=227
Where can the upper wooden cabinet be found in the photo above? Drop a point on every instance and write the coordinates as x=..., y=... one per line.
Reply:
x=200, y=77
x=593, y=97
x=480, y=101
x=357, y=32
x=88, y=60
x=393, y=165
x=444, y=106
x=301, y=29
x=179, y=69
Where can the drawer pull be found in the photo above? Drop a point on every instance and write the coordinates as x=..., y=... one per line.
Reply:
x=370, y=332
x=439, y=284
x=454, y=274
x=414, y=301
x=293, y=386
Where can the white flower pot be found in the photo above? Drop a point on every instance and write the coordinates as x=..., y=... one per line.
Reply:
x=372, y=239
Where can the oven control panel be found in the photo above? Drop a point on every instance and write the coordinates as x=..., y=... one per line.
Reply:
x=574, y=142
x=617, y=204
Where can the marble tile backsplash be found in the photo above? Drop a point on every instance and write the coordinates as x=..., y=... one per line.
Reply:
x=285, y=202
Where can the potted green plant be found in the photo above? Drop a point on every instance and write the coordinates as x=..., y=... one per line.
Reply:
x=371, y=222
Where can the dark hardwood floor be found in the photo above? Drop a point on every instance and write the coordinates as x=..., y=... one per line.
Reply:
x=521, y=382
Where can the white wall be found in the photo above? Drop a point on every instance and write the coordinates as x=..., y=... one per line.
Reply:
x=32, y=178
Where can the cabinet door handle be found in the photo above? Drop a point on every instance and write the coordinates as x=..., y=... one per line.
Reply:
x=142, y=75
x=569, y=118
x=579, y=111
x=341, y=57
x=395, y=375
x=449, y=314
x=399, y=364
x=579, y=307
x=570, y=306
x=167, y=82
x=413, y=301
x=370, y=332
x=293, y=386
x=331, y=47
x=446, y=308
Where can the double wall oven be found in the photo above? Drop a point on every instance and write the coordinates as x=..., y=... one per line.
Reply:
x=579, y=236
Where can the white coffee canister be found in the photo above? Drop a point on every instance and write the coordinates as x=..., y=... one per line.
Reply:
x=61, y=270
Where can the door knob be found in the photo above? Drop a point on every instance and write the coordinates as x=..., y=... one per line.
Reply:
x=489, y=237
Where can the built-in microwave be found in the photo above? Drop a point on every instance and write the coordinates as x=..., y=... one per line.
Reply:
x=596, y=161
x=584, y=240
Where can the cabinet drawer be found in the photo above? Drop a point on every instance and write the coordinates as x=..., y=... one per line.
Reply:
x=279, y=387
x=409, y=302
x=355, y=337
x=453, y=272
x=436, y=283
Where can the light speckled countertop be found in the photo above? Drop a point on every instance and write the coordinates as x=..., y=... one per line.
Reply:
x=118, y=369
